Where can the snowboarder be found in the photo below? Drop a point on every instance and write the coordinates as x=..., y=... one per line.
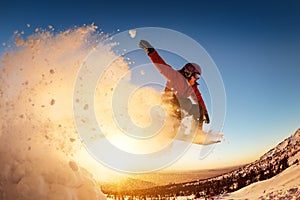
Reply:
x=181, y=84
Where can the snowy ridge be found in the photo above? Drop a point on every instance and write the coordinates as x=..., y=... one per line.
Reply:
x=288, y=149
x=285, y=147
x=285, y=185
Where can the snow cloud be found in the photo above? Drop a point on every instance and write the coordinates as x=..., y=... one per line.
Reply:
x=37, y=135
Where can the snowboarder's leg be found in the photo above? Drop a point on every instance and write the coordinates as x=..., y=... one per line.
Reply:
x=197, y=112
x=185, y=104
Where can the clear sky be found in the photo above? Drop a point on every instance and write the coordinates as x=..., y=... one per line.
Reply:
x=255, y=45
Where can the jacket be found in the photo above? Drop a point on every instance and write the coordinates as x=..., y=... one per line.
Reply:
x=176, y=81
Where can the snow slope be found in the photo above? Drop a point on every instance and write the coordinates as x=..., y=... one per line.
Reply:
x=285, y=185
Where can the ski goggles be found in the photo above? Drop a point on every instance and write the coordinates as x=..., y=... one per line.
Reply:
x=197, y=76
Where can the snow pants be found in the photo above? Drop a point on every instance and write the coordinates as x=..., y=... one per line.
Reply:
x=179, y=105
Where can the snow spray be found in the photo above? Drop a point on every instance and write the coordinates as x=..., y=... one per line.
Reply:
x=37, y=134
x=62, y=91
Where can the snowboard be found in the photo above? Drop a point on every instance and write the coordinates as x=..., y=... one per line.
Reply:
x=187, y=133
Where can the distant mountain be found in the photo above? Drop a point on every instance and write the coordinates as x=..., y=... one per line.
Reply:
x=150, y=180
x=125, y=184
x=178, y=176
x=285, y=155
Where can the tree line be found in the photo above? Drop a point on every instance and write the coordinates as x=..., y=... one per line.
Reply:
x=227, y=183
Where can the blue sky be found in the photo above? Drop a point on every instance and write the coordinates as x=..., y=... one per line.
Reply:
x=255, y=44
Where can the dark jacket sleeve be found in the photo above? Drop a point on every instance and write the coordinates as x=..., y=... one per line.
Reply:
x=198, y=98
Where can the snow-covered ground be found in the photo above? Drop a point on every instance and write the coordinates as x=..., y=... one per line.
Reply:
x=285, y=185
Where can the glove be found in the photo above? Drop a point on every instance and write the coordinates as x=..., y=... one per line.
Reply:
x=206, y=118
x=146, y=46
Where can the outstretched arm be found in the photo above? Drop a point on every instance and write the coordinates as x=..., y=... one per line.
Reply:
x=166, y=70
